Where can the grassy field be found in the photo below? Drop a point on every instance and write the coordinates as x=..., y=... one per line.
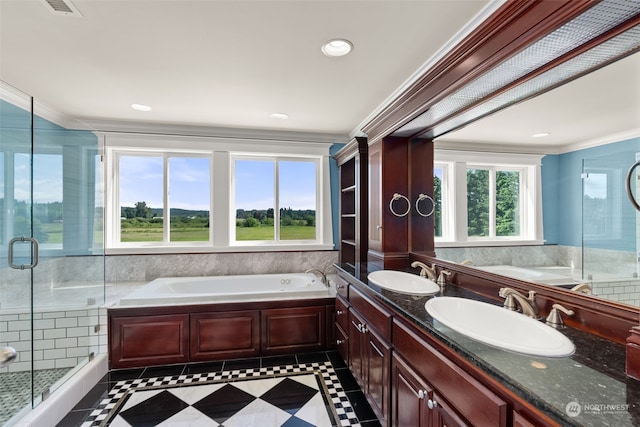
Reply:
x=292, y=232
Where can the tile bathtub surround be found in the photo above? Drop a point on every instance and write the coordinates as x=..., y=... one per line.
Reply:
x=283, y=390
x=141, y=268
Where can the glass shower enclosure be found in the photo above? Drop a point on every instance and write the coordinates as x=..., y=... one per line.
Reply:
x=610, y=226
x=52, y=258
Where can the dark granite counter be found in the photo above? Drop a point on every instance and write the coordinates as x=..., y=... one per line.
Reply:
x=588, y=388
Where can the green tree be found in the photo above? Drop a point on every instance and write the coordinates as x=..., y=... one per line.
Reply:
x=478, y=202
x=507, y=203
x=142, y=210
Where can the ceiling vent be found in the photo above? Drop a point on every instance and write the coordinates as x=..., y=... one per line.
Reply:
x=62, y=7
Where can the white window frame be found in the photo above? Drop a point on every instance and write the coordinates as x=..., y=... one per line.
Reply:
x=116, y=154
x=222, y=225
x=456, y=164
x=276, y=192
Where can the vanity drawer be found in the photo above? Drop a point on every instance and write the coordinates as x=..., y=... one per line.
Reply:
x=342, y=287
x=342, y=313
x=377, y=317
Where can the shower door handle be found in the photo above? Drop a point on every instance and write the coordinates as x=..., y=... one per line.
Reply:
x=7, y=355
x=632, y=199
x=34, y=253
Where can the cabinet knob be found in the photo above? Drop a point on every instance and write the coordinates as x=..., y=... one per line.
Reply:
x=364, y=329
x=339, y=312
x=421, y=394
x=339, y=342
x=432, y=404
x=339, y=286
x=378, y=227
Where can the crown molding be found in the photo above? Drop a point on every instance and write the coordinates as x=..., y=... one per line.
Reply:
x=147, y=128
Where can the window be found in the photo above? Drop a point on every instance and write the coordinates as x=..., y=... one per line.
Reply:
x=493, y=202
x=275, y=199
x=487, y=198
x=164, y=197
x=216, y=194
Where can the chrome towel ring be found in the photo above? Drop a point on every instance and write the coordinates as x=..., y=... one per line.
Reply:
x=398, y=196
x=422, y=197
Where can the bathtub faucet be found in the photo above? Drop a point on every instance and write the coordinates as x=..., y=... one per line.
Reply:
x=323, y=277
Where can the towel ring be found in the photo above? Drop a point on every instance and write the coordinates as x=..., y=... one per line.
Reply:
x=632, y=199
x=422, y=197
x=397, y=196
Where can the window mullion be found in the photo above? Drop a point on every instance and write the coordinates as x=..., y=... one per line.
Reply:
x=276, y=207
x=492, y=202
x=166, y=215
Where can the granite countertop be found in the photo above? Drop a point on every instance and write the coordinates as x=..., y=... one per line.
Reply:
x=591, y=381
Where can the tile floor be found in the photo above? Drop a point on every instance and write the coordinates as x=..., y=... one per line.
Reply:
x=314, y=389
x=14, y=396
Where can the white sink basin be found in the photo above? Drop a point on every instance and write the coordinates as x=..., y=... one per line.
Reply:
x=499, y=327
x=404, y=283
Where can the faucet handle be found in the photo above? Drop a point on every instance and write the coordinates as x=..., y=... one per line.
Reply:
x=554, y=319
x=441, y=277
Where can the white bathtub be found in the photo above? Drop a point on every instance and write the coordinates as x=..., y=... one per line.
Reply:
x=257, y=287
x=554, y=276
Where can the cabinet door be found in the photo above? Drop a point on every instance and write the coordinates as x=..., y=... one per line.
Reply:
x=225, y=335
x=356, y=347
x=377, y=361
x=143, y=340
x=342, y=343
x=289, y=330
x=443, y=414
x=408, y=397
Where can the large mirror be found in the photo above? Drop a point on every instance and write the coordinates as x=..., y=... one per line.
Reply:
x=591, y=231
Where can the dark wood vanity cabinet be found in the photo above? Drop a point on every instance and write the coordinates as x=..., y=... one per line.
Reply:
x=415, y=403
x=369, y=350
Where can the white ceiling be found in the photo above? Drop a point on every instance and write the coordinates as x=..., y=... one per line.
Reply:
x=233, y=63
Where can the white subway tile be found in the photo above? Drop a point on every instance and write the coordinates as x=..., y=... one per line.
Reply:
x=19, y=325
x=66, y=342
x=44, y=324
x=55, y=333
x=55, y=354
x=68, y=322
x=78, y=332
x=66, y=363
x=44, y=344
x=53, y=314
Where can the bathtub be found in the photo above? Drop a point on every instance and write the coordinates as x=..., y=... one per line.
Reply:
x=258, y=287
x=554, y=276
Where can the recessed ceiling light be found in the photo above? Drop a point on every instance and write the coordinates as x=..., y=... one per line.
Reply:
x=140, y=107
x=540, y=135
x=280, y=116
x=337, y=47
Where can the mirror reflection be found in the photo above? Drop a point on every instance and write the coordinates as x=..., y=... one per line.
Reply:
x=589, y=239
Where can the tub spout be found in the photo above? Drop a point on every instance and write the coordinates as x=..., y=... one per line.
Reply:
x=323, y=276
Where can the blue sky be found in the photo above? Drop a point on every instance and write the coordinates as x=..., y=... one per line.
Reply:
x=141, y=180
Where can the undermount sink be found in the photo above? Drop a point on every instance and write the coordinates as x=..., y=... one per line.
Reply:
x=499, y=327
x=404, y=283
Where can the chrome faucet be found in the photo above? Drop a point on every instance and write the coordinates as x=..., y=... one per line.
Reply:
x=554, y=319
x=442, y=278
x=323, y=277
x=527, y=304
x=585, y=288
x=425, y=270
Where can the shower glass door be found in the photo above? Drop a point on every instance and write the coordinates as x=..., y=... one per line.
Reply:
x=16, y=376
x=52, y=271
x=609, y=228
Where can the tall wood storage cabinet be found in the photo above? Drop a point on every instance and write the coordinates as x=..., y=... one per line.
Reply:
x=389, y=188
x=352, y=161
